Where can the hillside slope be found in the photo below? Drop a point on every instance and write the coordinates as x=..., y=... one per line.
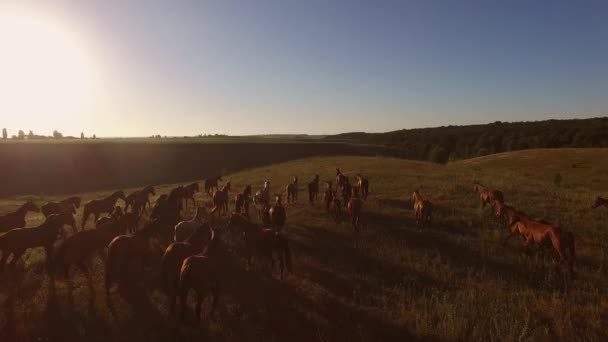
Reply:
x=453, y=282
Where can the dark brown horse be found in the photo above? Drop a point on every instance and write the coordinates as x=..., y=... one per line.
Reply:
x=423, y=210
x=17, y=241
x=539, y=232
x=335, y=207
x=78, y=248
x=127, y=250
x=328, y=196
x=138, y=200
x=292, y=191
x=68, y=204
x=220, y=200
x=363, y=184
x=101, y=206
x=340, y=179
x=174, y=256
x=168, y=209
x=241, y=202
x=487, y=195
x=264, y=242
x=347, y=190
x=190, y=190
x=160, y=206
x=600, y=202
x=277, y=214
x=313, y=190
x=211, y=185
x=16, y=219
x=203, y=273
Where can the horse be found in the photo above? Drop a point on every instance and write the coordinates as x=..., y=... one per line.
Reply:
x=17, y=241
x=355, y=206
x=600, y=202
x=277, y=214
x=241, y=202
x=190, y=190
x=116, y=213
x=211, y=185
x=423, y=209
x=220, y=199
x=160, y=206
x=347, y=190
x=313, y=190
x=78, y=248
x=138, y=200
x=538, y=232
x=174, y=256
x=264, y=242
x=340, y=178
x=334, y=207
x=101, y=206
x=202, y=273
x=168, y=209
x=487, y=195
x=124, y=250
x=185, y=228
x=292, y=191
x=363, y=184
x=328, y=196
x=16, y=219
x=68, y=204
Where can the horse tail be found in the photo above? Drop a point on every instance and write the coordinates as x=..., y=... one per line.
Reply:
x=85, y=215
x=185, y=283
x=287, y=254
x=58, y=262
x=112, y=265
x=164, y=271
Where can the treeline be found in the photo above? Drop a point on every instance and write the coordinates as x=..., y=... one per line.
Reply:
x=32, y=136
x=441, y=144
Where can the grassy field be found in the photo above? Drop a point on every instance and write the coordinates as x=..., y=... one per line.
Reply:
x=453, y=282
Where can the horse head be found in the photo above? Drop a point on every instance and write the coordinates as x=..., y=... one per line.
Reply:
x=30, y=206
x=599, y=202
x=63, y=219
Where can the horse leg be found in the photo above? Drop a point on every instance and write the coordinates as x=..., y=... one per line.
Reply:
x=5, y=255
x=508, y=238
x=87, y=274
x=16, y=256
x=216, y=295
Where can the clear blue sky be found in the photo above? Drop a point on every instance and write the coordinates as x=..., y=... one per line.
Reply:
x=308, y=66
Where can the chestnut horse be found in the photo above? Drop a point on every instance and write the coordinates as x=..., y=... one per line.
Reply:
x=241, y=202
x=363, y=184
x=68, y=204
x=220, y=200
x=190, y=190
x=174, y=256
x=313, y=190
x=124, y=250
x=600, y=202
x=78, y=248
x=211, y=185
x=138, y=200
x=292, y=191
x=17, y=241
x=538, y=232
x=264, y=242
x=423, y=210
x=487, y=195
x=328, y=196
x=100, y=206
x=277, y=214
x=202, y=273
x=16, y=219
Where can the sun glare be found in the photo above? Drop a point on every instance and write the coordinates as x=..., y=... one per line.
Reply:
x=46, y=76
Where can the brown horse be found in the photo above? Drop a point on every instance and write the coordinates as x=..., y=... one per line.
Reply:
x=17, y=241
x=423, y=210
x=347, y=190
x=487, y=195
x=328, y=196
x=363, y=184
x=211, y=185
x=264, y=242
x=292, y=191
x=78, y=248
x=160, y=206
x=203, y=272
x=220, y=200
x=277, y=214
x=16, y=219
x=313, y=190
x=241, y=202
x=600, y=202
x=340, y=178
x=539, y=232
x=138, y=200
x=335, y=207
x=101, y=206
x=190, y=190
x=355, y=206
x=68, y=204
x=126, y=250
x=174, y=256
x=168, y=208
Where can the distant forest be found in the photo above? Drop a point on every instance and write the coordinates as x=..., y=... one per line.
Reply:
x=441, y=144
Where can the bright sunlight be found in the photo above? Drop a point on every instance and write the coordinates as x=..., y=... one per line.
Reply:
x=47, y=77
